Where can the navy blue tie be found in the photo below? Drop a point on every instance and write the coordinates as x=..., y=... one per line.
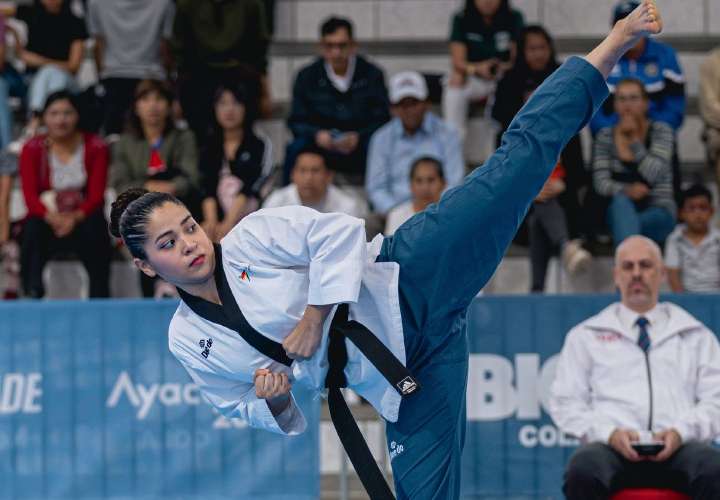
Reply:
x=643, y=339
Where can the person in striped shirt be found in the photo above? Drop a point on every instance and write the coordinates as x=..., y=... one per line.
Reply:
x=632, y=166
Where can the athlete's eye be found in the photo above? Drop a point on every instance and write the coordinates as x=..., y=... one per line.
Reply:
x=168, y=244
x=192, y=228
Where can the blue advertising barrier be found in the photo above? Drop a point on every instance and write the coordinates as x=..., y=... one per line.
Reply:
x=94, y=406
x=512, y=449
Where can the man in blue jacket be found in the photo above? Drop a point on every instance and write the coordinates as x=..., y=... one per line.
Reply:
x=656, y=65
x=338, y=102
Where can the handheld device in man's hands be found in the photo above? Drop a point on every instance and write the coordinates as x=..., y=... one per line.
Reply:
x=647, y=445
x=648, y=449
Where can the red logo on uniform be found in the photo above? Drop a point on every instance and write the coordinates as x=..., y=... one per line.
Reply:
x=245, y=275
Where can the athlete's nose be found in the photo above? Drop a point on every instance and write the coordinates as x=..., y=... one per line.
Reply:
x=190, y=246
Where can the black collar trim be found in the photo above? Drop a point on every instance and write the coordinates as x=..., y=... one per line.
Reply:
x=229, y=315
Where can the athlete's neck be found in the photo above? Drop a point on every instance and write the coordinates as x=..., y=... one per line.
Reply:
x=207, y=290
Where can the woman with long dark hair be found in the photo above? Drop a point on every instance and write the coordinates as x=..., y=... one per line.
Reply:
x=153, y=153
x=156, y=155
x=257, y=309
x=557, y=217
x=64, y=175
x=483, y=44
x=234, y=163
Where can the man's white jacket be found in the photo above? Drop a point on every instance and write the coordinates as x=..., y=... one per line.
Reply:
x=604, y=380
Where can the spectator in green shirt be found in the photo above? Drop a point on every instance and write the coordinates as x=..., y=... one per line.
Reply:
x=483, y=43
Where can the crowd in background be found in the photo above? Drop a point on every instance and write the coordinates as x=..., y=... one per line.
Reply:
x=182, y=85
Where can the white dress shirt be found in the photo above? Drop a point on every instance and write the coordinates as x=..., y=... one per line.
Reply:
x=342, y=83
x=657, y=318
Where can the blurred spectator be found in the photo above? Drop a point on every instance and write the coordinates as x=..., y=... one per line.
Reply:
x=656, y=65
x=130, y=45
x=427, y=183
x=6, y=122
x=414, y=132
x=235, y=162
x=6, y=180
x=216, y=42
x=709, y=100
x=53, y=53
x=632, y=165
x=339, y=101
x=557, y=218
x=549, y=232
x=312, y=187
x=692, y=251
x=156, y=155
x=639, y=367
x=483, y=44
x=9, y=250
x=153, y=153
x=270, y=15
x=64, y=175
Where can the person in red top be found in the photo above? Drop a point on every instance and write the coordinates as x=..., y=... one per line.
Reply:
x=63, y=175
x=548, y=227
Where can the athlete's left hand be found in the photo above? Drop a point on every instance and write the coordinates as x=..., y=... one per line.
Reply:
x=304, y=340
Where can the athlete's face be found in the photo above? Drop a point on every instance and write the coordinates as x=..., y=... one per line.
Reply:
x=177, y=248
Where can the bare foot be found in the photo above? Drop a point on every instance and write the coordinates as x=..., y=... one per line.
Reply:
x=644, y=20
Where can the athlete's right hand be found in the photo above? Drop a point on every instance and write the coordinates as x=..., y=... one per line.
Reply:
x=269, y=385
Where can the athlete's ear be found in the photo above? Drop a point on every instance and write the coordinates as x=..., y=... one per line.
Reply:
x=145, y=267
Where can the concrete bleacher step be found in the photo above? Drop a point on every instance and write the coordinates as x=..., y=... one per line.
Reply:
x=513, y=277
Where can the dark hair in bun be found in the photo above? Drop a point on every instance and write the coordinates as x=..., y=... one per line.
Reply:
x=130, y=214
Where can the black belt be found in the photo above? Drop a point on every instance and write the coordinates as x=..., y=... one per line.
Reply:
x=347, y=430
x=230, y=316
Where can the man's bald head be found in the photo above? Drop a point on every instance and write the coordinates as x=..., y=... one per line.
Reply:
x=638, y=241
x=639, y=272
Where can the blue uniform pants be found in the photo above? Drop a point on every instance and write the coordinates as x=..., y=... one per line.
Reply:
x=447, y=253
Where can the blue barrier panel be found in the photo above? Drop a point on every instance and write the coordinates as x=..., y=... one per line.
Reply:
x=512, y=449
x=94, y=406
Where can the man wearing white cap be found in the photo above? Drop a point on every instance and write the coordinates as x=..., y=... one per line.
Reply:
x=414, y=132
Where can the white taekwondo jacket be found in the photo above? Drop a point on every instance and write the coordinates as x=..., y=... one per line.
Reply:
x=277, y=261
x=603, y=381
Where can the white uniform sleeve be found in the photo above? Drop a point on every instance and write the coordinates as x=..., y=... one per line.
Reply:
x=702, y=422
x=570, y=394
x=235, y=399
x=333, y=246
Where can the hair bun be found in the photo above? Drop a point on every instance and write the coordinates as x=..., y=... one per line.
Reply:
x=120, y=205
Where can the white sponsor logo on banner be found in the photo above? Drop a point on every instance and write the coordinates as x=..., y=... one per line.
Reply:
x=144, y=397
x=499, y=389
x=20, y=393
